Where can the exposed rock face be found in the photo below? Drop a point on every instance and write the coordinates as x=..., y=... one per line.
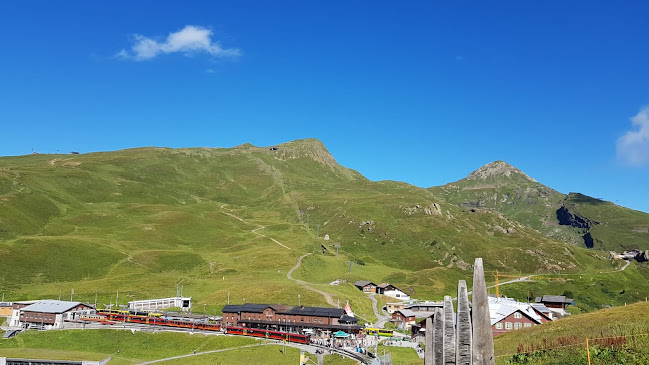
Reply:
x=566, y=218
x=497, y=169
x=433, y=209
x=588, y=240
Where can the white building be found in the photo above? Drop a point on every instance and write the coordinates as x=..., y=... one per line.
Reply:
x=391, y=291
x=183, y=303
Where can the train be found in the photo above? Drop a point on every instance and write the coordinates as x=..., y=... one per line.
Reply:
x=109, y=317
x=155, y=319
x=378, y=332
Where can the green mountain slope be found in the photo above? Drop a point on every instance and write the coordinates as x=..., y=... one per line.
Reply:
x=572, y=218
x=221, y=221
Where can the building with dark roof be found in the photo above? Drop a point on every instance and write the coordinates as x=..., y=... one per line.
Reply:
x=365, y=286
x=556, y=303
x=288, y=318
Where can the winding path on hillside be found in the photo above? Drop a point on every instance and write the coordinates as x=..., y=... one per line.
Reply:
x=527, y=278
x=255, y=230
x=328, y=296
x=380, y=319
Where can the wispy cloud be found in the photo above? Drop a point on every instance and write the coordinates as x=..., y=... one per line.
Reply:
x=633, y=147
x=188, y=41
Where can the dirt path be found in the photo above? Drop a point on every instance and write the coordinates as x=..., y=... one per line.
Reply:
x=328, y=296
x=255, y=230
x=527, y=278
x=270, y=238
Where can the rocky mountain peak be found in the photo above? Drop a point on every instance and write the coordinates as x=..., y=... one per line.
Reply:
x=498, y=169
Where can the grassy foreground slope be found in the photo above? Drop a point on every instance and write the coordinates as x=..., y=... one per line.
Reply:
x=616, y=336
x=221, y=221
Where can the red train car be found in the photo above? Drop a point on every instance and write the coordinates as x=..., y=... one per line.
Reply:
x=157, y=321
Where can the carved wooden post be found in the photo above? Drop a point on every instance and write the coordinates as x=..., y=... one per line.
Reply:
x=483, y=342
x=449, y=331
x=463, y=338
x=438, y=337
x=428, y=348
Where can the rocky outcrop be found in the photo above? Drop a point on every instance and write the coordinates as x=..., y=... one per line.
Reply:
x=567, y=218
x=588, y=240
x=432, y=209
x=498, y=169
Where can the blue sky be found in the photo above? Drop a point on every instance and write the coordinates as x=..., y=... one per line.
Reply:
x=420, y=91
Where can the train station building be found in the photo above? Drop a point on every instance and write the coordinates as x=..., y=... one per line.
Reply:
x=289, y=318
x=47, y=314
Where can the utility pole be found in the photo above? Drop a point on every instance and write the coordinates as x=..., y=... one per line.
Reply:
x=71, y=293
x=337, y=247
x=298, y=300
x=350, y=263
x=307, y=220
x=95, y=300
x=228, y=297
x=117, y=298
x=317, y=234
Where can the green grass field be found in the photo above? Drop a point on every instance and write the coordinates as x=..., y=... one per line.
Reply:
x=99, y=344
x=149, y=220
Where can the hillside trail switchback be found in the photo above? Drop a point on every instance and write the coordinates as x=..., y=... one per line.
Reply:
x=328, y=296
x=255, y=230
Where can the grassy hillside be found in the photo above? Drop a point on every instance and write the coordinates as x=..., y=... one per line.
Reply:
x=99, y=344
x=617, y=336
x=502, y=188
x=235, y=220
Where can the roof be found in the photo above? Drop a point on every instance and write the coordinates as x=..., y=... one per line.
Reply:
x=305, y=324
x=501, y=308
x=406, y=312
x=285, y=309
x=384, y=285
x=6, y=304
x=363, y=283
x=346, y=318
x=51, y=306
x=541, y=308
x=426, y=304
x=554, y=299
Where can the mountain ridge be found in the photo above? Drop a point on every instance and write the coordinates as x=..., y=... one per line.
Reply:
x=139, y=220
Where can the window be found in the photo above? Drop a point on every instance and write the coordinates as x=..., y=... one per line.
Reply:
x=518, y=315
x=499, y=326
x=508, y=325
x=527, y=325
x=517, y=326
x=308, y=320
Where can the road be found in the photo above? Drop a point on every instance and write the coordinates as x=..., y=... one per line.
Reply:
x=380, y=319
x=527, y=278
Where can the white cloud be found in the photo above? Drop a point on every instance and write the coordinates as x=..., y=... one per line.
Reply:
x=633, y=147
x=189, y=40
